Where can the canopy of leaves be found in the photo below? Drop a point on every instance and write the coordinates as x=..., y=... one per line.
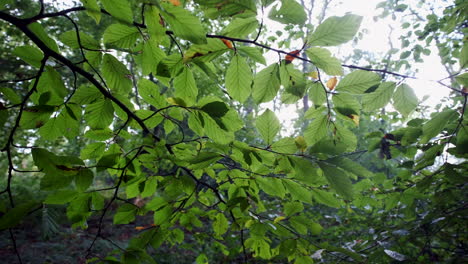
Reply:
x=167, y=119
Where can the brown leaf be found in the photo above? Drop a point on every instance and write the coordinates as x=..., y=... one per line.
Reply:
x=227, y=43
x=290, y=58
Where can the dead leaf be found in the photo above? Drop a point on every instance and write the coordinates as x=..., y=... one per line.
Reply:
x=227, y=43
x=332, y=83
x=290, y=58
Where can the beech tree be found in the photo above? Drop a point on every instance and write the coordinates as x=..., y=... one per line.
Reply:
x=153, y=109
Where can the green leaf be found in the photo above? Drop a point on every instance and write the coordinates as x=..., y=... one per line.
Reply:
x=379, y=98
x=29, y=54
x=404, y=100
x=215, y=109
x=220, y=224
x=436, y=124
x=61, y=197
x=271, y=186
x=304, y=260
x=186, y=87
x=204, y=159
x=93, y=150
x=323, y=59
x=351, y=167
x=39, y=31
x=99, y=134
x=268, y=126
x=184, y=24
x=51, y=83
x=202, y=259
x=464, y=56
x=155, y=29
x=162, y=216
x=285, y=145
x=125, y=214
x=53, y=128
x=92, y=9
x=149, y=91
x=240, y=27
x=317, y=94
x=357, y=82
x=316, y=130
x=346, y=104
x=291, y=208
x=266, y=84
x=300, y=224
x=215, y=129
x=338, y=179
x=44, y=160
x=10, y=95
x=121, y=10
x=462, y=79
x=253, y=53
x=86, y=94
x=100, y=114
x=315, y=229
x=150, y=187
x=120, y=36
x=14, y=216
x=84, y=179
x=239, y=79
x=35, y=116
x=291, y=12
x=345, y=136
x=115, y=73
x=70, y=39
x=151, y=56
x=335, y=30
x=326, y=198
x=298, y=192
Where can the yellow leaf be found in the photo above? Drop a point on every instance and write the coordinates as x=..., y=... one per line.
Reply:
x=314, y=75
x=332, y=83
x=279, y=218
x=355, y=119
x=176, y=101
x=301, y=143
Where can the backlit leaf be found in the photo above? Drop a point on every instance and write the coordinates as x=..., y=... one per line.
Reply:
x=239, y=79
x=184, y=24
x=266, y=84
x=338, y=179
x=186, y=87
x=405, y=100
x=116, y=74
x=240, y=27
x=358, y=82
x=335, y=30
x=121, y=10
x=291, y=12
x=323, y=59
x=120, y=36
x=379, y=98
x=268, y=126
